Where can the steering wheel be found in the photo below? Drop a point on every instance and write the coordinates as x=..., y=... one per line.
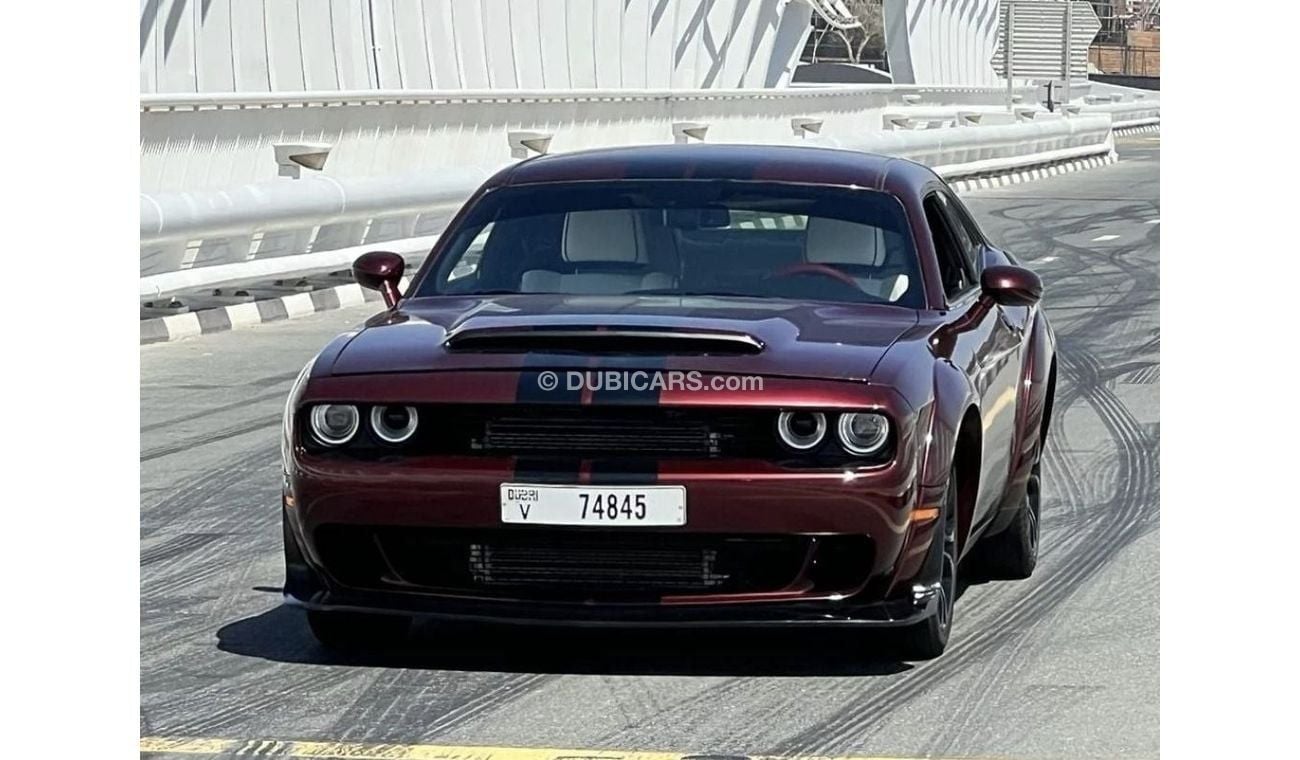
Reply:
x=824, y=270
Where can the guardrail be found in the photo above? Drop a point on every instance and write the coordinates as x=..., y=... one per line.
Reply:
x=960, y=152
x=1128, y=113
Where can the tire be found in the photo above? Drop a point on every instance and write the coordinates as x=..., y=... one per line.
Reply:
x=1013, y=553
x=356, y=631
x=928, y=639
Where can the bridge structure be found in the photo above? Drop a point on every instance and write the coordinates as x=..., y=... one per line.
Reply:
x=280, y=140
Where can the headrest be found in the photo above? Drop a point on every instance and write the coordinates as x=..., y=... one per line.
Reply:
x=833, y=241
x=609, y=236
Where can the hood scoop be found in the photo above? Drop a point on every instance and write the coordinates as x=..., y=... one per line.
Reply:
x=602, y=340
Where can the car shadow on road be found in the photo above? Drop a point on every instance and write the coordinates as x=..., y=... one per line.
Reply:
x=281, y=635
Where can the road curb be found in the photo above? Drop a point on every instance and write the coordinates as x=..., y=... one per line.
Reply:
x=239, y=316
x=1124, y=131
x=1028, y=174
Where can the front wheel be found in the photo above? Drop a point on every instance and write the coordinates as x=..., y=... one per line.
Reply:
x=355, y=631
x=927, y=639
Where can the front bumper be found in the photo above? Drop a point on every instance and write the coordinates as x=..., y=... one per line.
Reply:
x=463, y=496
x=822, y=613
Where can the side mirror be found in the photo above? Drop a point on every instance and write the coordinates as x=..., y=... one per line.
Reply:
x=382, y=271
x=1011, y=286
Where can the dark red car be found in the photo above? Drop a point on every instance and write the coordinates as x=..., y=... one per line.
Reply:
x=677, y=385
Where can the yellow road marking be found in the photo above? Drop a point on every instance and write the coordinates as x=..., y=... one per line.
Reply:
x=359, y=751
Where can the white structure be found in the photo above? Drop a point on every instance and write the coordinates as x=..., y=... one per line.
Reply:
x=281, y=139
x=193, y=46
x=942, y=41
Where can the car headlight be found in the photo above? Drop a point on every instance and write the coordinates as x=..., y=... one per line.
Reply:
x=801, y=431
x=863, y=433
x=394, y=424
x=334, y=424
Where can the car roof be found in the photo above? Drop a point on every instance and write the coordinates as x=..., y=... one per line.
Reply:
x=773, y=163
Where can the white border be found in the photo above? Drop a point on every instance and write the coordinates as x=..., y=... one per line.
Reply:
x=1229, y=524
x=71, y=562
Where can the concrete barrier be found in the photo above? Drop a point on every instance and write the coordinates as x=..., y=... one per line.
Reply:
x=1128, y=113
x=221, y=140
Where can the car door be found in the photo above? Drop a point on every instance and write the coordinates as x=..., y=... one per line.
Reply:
x=985, y=344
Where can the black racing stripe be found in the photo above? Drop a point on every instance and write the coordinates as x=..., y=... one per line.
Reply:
x=632, y=381
x=562, y=470
x=639, y=471
x=544, y=386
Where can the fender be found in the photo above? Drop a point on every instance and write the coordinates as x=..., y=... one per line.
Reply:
x=953, y=395
x=941, y=418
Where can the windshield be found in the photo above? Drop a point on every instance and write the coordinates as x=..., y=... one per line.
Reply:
x=684, y=237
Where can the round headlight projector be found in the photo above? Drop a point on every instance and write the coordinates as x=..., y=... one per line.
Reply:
x=801, y=430
x=863, y=433
x=394, y=424
x=334, y=424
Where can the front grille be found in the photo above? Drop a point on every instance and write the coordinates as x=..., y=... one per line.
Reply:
x=560, y=565
x=626, y=431
x=595, y=563
x=630, y=435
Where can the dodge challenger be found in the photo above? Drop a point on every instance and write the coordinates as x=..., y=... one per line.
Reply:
x=676, y=385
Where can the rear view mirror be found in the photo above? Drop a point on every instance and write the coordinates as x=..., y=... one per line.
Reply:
x=382, y=271
x=708, y=218
x=1011, y=286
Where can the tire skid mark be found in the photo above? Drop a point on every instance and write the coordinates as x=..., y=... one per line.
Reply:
x=278, y=393
x=187, y=501
x=993, y=679
x=1086, y=558
x=689, y=710
x=234, y=709
x=245, y=428
x=175, y=547
x=373, y=710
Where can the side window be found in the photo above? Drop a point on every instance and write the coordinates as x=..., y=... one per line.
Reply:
x=954, y=269
x=968, y=240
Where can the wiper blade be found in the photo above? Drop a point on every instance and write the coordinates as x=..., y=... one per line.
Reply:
x=496, y=292
x=675, y=292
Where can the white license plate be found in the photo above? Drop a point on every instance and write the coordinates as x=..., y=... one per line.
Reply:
x=607, y=506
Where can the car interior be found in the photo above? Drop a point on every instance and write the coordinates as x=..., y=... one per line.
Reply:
x=710, y=250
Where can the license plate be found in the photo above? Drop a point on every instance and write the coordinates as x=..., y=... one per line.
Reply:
x=610, y=507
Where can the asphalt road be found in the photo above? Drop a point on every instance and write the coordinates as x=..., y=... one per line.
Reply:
x=1063, y=665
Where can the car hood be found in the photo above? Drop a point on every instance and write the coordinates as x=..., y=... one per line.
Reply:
x=785, y=338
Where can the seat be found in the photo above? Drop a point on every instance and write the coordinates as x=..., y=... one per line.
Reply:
x=858, y=248
x=608, y=252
